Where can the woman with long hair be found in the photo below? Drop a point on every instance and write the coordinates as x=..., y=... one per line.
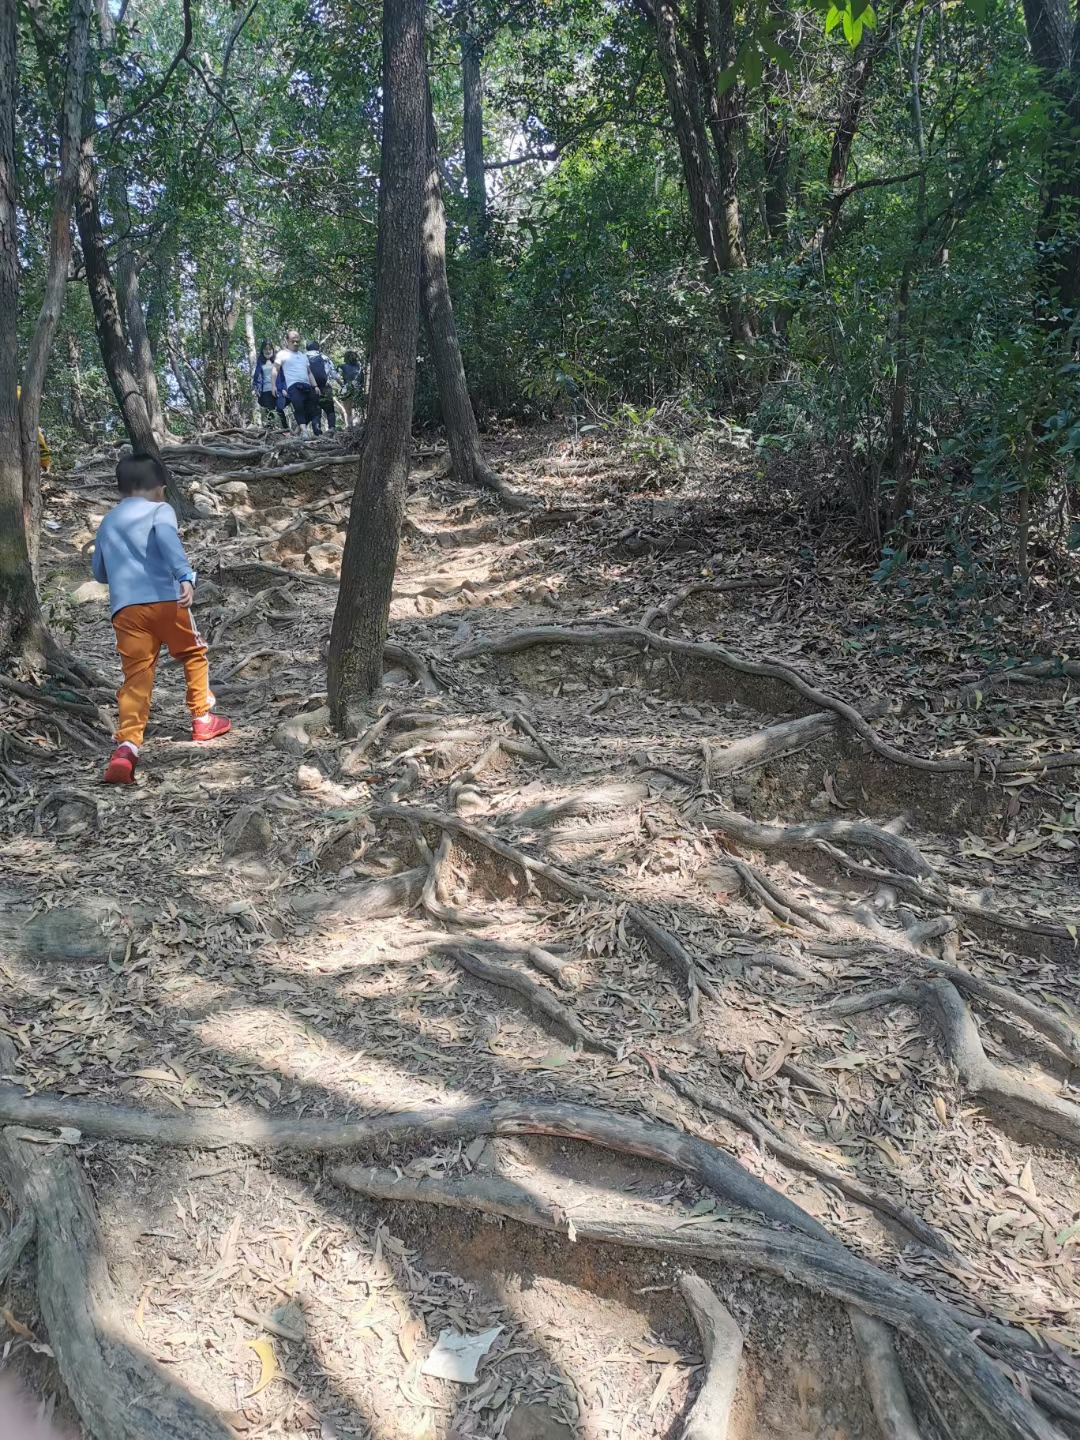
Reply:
x=262, y=384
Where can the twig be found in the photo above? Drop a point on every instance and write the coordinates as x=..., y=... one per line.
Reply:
x=701, y=587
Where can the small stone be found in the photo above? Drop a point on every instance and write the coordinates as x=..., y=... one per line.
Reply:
x=325, y=558
x=691, y=712
x=247, y=833
x=205, y=505
x=235, y=491
x=536, y=1422
x=309, y=778
x=89, y=590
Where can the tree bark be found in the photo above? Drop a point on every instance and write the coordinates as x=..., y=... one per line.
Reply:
x=33, y=379
x=462, y=432
x=107, y=323
x=472, y=85
x=130, y=297
x=80, y=421
x=699, y=170
x=1054, y=37
x=21, y=628
x=354, y=672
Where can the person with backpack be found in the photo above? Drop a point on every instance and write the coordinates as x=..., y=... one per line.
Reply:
x=322, y=368
x=292, y=363
x=352, y=386
x=262, y=385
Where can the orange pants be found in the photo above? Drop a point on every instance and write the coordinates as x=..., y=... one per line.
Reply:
x=141, y=630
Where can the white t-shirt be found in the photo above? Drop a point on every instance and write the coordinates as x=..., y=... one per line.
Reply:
x=294, y=363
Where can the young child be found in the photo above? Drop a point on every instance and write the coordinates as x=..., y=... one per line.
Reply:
x=151, y=587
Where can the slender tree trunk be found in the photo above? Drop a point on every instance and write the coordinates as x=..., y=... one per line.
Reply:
x=252, y=353
x=80, y=421
x=130, y=298
x=699, y=170
x=127, y=273
x=462, y=433
x=107, y=323
x=367, y=574
x=37, y=363
x=472, y=85
x=1053, y=28
x=21, y=628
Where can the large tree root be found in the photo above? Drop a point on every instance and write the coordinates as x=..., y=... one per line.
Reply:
x=373, y=900
x=978, y=1075
x=721, y=1344
x=611, y=1131
x=638, y=638
x=15, y=1243
x=881, y=1370
x=899, y=854
x=557, y=1013
x=120, y=1392
x=828, y=1269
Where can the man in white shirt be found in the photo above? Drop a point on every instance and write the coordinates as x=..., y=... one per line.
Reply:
x=300, y=384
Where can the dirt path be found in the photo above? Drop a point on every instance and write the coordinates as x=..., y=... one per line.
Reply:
x=226, y=941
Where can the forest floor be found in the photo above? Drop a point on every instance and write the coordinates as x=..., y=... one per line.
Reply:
x=271, y=929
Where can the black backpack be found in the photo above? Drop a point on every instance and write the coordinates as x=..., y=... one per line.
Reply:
x=318, y=369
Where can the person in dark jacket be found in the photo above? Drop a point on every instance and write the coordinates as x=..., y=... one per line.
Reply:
x=322, y=369
x=352, y=386
x=262, y=384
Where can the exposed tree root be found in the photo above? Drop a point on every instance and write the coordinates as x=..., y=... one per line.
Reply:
x=946, y=898
x=1058, y=1031
x=774, y=742
x=525, y=725
x=978, y=1075
x=543, y=1004
x=259, y=570
x=554, y=1011
x=413, y=664
x=52, y=702
x=701, y=587
x=371, y=900
x=118, y=1390
x=277, y=471
x=721, y=1344
x=827, y=1268
x=638, y=638
x=616, y=796
x=899, y=854
x=660, y=939
x=56, y=798
x=15, y=1242
x=432, y=897
x=881, y=1370
x=785, y=907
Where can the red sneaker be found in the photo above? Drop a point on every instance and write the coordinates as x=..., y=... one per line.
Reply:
x=209, y=727
x=121, y=767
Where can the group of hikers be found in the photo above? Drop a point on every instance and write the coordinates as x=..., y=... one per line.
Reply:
x=303, y=378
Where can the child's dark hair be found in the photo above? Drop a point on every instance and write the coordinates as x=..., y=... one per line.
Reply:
x=137, y=473
x=351, y=358
x=263, y=346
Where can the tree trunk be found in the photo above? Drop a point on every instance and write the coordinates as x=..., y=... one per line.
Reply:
x=1054, y=37
x=699, y=170
x=354, y=672
x=252, y=354
x=107, y=323
x=462, y=433
x=80, y=421
x=130, y=297
x=127, y=274
x=21, y=629
x=33, y=379
x=472, y=86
